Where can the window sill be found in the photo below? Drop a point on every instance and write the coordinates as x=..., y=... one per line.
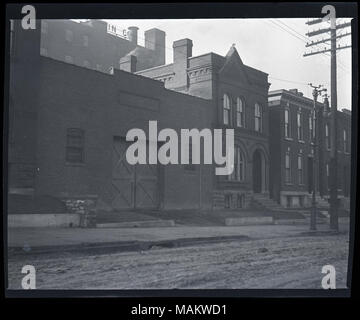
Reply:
x=288, y=139
x=301, y=141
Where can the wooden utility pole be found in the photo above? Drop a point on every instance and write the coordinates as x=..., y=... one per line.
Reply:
x=315, y=141
x=333, y=95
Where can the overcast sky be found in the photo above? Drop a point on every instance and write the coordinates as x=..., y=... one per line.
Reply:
x=275, y=46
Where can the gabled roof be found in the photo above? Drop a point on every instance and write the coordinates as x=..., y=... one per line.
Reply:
x=234, y=65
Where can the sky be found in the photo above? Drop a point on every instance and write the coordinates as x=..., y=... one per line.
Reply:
x=274, y=46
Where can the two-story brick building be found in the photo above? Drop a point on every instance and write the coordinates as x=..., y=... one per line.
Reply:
x=292, y=145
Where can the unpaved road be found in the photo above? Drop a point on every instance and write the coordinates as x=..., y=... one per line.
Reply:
x=288, y=262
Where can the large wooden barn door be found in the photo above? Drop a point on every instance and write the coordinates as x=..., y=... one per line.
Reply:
x=134, y=186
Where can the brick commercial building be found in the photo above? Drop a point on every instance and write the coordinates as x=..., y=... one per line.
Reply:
x=291, y=149
x=68, y=123
x=95, y=44
x=68, y=126
x=239, y=93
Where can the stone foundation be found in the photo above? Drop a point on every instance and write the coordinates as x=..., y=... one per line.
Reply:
x=85, y=206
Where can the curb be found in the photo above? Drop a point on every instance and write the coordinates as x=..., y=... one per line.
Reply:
x=124, y=246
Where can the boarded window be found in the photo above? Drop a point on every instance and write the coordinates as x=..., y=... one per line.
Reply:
x=75, y=145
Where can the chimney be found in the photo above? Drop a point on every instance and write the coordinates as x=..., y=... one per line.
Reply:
x=128, y=63
x=133, y=34
x=182, y=51
x=155, y=40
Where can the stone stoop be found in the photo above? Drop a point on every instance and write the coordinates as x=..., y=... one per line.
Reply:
x=263, y=201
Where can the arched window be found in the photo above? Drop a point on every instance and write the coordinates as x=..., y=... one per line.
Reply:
x=240, y=112
x=226, y=110
x=258, y=118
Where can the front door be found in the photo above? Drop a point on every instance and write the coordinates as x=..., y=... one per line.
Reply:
x=134, y=186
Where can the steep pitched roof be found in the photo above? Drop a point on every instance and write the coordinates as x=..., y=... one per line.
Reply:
x=233, y=64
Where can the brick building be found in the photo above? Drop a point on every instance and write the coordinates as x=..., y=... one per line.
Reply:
x=239, y=93
x=96, y=45
x=291, y=149
x=68, y=126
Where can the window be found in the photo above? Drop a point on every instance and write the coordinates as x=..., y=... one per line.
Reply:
x=69, y=59
x=68, y=35
x=300, y=126
x=238, y=173
x=311, y=128
x=228, y=201
x=300, y=169
x=327, y=137
x=240, y=112
x=226, y=110
x=86, y=41
x=345, y=141
x=287, y=123
x=44, y=27
x=287, y=167
x=75, y=145
x=258, y=122
x=240, y=201
x=86, y=64
x=328, y=176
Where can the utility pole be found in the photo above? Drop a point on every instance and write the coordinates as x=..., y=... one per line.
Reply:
x=334, y=224
x=315, y=134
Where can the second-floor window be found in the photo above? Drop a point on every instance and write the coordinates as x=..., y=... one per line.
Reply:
x=287, y=123
x=240, y=112
x=300, y=126
x=258, y=118
x=327, y=136
x=226, y=110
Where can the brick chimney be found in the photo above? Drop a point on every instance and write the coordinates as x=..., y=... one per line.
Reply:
x=133, y=34
x=155, y=40
x=128, y=63
x=182, y=52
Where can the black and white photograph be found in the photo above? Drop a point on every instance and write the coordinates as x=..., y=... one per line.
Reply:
x=179, y=153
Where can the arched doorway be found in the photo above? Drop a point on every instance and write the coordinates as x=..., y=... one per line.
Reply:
x=257, y=172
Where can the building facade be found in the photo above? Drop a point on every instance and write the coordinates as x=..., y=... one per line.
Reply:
x=291, y=142
x=68, y=126
x=239, y=93
x=94, y=44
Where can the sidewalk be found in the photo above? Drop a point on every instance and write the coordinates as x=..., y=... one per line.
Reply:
x=52, y=239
